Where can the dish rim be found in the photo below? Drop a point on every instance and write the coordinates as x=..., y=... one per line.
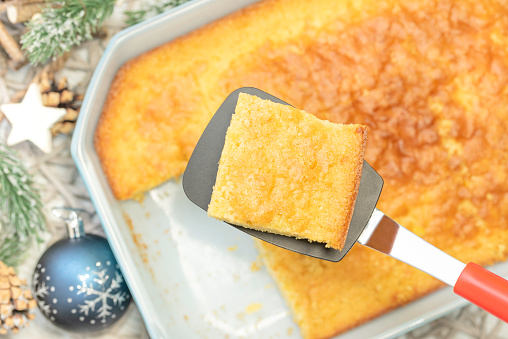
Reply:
x=81, y=155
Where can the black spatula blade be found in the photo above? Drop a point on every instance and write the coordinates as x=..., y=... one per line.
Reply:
x=201, y=172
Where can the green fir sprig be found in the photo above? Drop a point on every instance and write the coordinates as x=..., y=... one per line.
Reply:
x=62, y=25
x=20, y=207
x=12, y=250
x=134, y=17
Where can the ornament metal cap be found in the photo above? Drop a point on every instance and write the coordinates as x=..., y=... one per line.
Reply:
x=74, y=222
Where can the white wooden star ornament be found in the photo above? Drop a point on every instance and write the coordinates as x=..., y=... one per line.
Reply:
x=31, y=120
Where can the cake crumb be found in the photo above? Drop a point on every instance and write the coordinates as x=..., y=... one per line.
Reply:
x=136, y=238
x=290, y=331
x=128, y=220
x=232, y=248
x=140, y=198
x=252, y=308
x=186, y=317
x=256, y=265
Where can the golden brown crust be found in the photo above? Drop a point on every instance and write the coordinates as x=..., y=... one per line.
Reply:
x=330, y=298
x=284, y=171
x=429, y=79
x=160, y=102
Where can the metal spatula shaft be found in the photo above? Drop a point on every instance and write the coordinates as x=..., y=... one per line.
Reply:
x=470, y=281
x=386, y=236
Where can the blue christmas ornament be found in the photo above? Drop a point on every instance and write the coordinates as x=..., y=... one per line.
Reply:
x=77, y=283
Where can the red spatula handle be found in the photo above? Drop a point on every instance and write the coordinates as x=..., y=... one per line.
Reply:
x=484, y=289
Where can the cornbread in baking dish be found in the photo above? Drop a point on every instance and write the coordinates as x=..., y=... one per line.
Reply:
x=428, y=78
x=284, y=171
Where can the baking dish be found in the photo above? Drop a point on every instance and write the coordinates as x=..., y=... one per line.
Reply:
x=180, y=294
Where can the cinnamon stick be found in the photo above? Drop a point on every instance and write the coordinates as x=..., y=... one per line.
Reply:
x=3, y=64
x=25, y=2
x=21, y=12
x=12, y=48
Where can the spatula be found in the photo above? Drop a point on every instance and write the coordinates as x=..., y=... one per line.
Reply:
x=369, y=226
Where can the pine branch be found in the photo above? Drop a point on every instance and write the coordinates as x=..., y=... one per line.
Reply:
x=135, y=17
x=11, y=249
x=20, y=206
x=62, y=25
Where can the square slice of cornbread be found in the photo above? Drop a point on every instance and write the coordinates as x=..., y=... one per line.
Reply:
x=284, y=171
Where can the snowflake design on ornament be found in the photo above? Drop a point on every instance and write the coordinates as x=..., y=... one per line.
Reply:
x=102, y=294
x=41, y=292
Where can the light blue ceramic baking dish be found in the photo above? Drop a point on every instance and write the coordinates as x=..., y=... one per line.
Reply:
x=178, y=294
